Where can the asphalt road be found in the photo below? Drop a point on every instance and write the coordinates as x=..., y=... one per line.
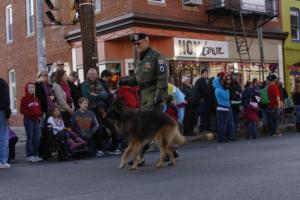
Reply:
x=267, y=168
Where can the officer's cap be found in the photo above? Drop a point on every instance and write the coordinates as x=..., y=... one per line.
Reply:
x=137, y=36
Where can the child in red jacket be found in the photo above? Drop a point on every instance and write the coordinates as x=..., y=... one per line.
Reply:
x=31, y=109
x=172, y=108
x=251, y=115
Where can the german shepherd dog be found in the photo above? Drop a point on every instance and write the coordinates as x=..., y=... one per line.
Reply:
x=141, y=128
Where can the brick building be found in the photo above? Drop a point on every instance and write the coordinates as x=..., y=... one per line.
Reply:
x=190, y=35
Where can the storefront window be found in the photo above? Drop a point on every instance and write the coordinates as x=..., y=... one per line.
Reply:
x=246, y=72
x=113, y=67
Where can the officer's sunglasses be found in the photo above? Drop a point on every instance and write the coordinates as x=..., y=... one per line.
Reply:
x=137, y=44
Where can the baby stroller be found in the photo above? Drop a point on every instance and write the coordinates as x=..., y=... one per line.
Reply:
x=286, y=116
x=53, y=144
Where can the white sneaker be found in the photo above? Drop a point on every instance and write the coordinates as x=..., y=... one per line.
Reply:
x=31, y=159
x=5, y=166
x=38, y=159
x=99, y=154
x=115, y=152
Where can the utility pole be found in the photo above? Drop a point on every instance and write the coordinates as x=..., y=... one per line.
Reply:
x=261, y=48
x=88, y=35
x=41, y=45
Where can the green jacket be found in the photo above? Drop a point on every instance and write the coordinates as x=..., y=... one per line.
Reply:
x=152, y=74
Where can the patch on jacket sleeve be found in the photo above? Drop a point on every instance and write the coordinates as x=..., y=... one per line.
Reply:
x=161, y=63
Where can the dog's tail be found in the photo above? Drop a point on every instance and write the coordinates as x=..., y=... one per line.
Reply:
x=179, y=139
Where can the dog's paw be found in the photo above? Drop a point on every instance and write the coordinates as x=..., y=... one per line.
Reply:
x=132, y=168
x=122, y=166
x=158, y=165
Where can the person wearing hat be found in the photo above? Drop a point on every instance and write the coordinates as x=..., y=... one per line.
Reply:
x=151, y=73
x=274, y=102
x=189, y=114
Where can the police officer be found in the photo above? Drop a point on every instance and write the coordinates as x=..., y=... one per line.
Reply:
x=151, y=73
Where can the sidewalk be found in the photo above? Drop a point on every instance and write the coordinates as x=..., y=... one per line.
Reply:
x=208, y=136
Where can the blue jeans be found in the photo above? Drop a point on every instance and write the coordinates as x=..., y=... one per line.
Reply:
x=236, y=117
x=3, y=138
x=222, y=123
x=264, y=117
x=272, y=115
x=33, y=133
x=251, y=125
x=230, y=126
x=297, y=114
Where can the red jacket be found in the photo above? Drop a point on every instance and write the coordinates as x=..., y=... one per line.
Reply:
x=30, y=105
x=251, y=113
x=130, y=96
x=172, y=110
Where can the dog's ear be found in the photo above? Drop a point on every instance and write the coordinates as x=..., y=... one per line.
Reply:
x=117, y=108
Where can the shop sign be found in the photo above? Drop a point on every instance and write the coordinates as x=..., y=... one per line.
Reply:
x=185, y=47
x=254, y=5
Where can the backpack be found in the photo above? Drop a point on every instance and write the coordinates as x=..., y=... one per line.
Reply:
x=264, y=96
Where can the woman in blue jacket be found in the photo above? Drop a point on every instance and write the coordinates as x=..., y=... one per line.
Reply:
x=222, y=85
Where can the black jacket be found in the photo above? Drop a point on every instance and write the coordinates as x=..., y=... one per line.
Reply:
x=200, y=92
x=75, y=93
x=235, y=97
x=4, y=98
x=187, y=91
x=40, y=94
x=110, y=96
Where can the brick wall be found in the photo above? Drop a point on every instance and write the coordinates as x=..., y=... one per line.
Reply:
x=21, y=54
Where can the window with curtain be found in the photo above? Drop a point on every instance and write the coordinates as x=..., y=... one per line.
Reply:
x=12, y=90
x=9, y=23
x=97, y=5
x=30, y=16
x=294, y=17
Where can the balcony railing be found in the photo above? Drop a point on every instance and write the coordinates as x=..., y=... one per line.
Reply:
x=269, y=7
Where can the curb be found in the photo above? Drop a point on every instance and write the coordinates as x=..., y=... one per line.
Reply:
x=20, y=131
x=241, y=134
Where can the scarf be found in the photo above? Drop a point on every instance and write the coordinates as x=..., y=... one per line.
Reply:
x=66, y=89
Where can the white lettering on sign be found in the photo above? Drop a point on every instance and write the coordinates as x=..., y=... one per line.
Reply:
x=200, y=48
x=254, y=5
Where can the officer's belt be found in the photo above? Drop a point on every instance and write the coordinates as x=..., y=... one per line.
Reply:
x=147, y=84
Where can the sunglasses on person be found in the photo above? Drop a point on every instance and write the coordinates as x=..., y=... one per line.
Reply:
x=137, y=44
